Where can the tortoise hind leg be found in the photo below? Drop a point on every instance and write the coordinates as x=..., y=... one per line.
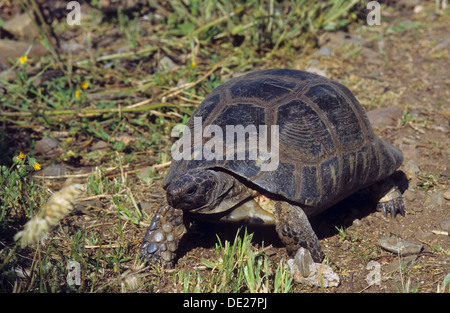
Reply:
x=163, y=236
x=389, y=197
x=294, y=229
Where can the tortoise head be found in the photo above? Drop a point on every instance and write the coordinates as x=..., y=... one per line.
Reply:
x=197, y=190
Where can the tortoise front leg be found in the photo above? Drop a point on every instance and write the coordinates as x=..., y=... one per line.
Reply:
x=294, y=229
x=163, y=235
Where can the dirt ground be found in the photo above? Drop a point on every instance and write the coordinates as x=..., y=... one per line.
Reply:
x=404, y=63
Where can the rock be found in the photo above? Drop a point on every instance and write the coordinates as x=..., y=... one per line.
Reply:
x=99, y=145
x=409, y=151
x=166, y=64
x=323, y=52
x=318, y=274
x=411, y=168
x=445, y=225
x=53, y=170
x=434, y=201
x=47, y=147
x=341, y=38
x=15, y=49
x=400, y=246
x=446, y=194
x=357, y=222
x=317, y=71
x=400, y=264
x=382, y=117
x=426, y=236
x=22, y=27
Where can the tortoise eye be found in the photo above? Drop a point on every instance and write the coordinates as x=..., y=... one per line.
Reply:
x=192, y=190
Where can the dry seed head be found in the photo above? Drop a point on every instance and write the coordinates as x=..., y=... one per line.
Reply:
x=56, y=208
x=131, y=282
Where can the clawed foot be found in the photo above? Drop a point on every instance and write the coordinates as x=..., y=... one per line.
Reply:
x=392, y=202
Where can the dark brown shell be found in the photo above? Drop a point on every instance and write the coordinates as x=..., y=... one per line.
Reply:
x=327, y=148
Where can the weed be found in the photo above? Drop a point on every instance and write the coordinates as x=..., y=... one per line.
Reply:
x=240, y=267
x=426, y=181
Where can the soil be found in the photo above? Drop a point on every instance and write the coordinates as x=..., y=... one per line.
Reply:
x=404, y=63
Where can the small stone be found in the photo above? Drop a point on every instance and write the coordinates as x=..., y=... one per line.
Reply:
x=445, y=225
x=446, y=194
x=400, y=264
x=166, y=64
x=323, y=52
x=99, y=145
x=320, y=275
x=357, y=222
x=46, y=147
x=382, y=117
x=434, y=201
x=304, y=262
x=54, y=170
x=426, y=236
x=22, y=27
x=411, y=168
x=400, y=246
x=318, y=71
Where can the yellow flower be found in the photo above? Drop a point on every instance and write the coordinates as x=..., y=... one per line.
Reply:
x=21, y=155
x=23, y=59
x=67, y=140
x=84, y=85
x=37, y=166
x=77, y=93
x=193, y=64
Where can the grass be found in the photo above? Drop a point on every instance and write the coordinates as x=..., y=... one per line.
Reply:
x=239, y=267
x=112, y=91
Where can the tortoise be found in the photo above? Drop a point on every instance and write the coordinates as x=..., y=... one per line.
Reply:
x=326, y=151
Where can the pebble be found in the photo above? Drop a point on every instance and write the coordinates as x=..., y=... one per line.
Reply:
x=434, y=201
x=445, y=225
x=411, y=168
x=320, y=275
x=382, y=117
x=323, y=52
x=53, y=170
x=400, y=246
x=47, y=147
x=446, y=194
x=318, y=71
x=400, y=264
x=22, y=27
x=357, y=222
x=166, y=64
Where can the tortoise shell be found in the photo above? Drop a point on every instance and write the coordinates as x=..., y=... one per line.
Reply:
x=327, y=149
